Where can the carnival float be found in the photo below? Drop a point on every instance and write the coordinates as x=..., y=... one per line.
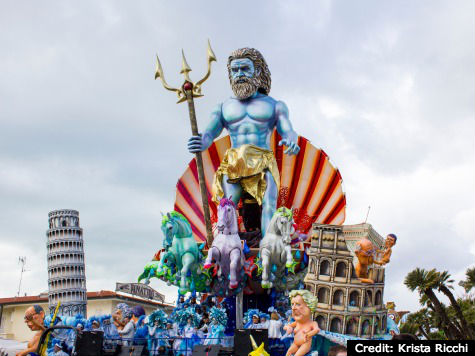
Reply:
x=258, y=217
x=255, y=244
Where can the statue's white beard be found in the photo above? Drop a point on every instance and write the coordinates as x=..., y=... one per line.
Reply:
x=246, y=89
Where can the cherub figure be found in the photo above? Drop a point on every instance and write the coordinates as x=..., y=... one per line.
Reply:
x=365, y=253
x=303, y=304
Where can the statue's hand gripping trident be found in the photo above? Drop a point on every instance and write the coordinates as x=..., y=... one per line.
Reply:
x=187, y=92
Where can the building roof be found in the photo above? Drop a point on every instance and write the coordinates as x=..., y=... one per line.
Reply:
x=103, y=294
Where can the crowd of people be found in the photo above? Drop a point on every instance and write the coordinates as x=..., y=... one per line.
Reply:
x=189, y=324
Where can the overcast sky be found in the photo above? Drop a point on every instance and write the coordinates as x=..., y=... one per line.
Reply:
x=386, y=88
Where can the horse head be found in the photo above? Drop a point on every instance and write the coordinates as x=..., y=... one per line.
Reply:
x=283, y=224
x=227, y=217
x=175, y=225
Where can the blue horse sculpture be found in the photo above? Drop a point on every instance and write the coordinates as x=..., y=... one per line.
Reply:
x=183, y=252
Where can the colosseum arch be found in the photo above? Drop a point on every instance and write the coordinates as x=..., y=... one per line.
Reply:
x=354, y=298
x=338, y=297
x=335, y=325
x=377, y=325
x=368, y=299
x=366, y=327
x=341, y=269
x=378, y=300
x=351, y=327
x=325, y=267
x=323, y=295
x=322, y=321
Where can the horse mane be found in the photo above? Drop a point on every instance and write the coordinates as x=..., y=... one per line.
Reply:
x=271, y=228
x=184, y=227
x=282, y=211
x=225, y=202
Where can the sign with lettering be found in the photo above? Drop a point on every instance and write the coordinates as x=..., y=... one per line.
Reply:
x=140, y=290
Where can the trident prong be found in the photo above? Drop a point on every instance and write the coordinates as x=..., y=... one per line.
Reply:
x=159, y=74
x=211, y=58
x=185, y=68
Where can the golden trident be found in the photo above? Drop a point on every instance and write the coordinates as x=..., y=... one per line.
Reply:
x=187, y=92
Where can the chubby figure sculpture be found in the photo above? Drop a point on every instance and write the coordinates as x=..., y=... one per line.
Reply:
x=388, y=245
x=183, y=253
x=365, y=253
x=303, y=304
x=275, y=248
x=34, y=319
x=250, y=117
x=226, y=250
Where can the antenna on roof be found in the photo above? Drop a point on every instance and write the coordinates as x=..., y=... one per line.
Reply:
x=22, y=261
x=367, y=214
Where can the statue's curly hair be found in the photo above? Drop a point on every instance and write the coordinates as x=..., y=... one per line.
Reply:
x=308, y=298
x=263, y=72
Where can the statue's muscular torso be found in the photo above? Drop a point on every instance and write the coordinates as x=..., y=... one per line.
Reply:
x=251, y=121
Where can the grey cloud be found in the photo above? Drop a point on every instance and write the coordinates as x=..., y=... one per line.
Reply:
x=83, y=124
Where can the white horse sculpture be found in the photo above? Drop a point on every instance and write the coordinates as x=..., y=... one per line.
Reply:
x=227, y=248
x=275, y=247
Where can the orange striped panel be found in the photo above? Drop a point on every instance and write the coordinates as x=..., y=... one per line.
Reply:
x=308, y=183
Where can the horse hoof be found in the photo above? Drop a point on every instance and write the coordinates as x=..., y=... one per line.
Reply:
x=207, y=265
x=233, y=285
x=266, y=285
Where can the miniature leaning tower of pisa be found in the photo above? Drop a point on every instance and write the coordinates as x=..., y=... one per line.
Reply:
x=66, y=273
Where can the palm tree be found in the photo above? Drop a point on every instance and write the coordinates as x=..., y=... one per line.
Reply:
x=417, y=323
x=444, y=284
x=424, y=282
x=469, y=282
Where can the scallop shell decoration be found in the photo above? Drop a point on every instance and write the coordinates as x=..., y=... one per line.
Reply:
x=309, y=184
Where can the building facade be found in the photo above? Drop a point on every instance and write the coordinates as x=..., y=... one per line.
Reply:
x=345, y=305
x=66, y=267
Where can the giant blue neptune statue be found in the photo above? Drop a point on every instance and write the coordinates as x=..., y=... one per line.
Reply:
x=250, y=117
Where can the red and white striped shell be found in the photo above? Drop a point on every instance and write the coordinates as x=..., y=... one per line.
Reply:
x=308, y=183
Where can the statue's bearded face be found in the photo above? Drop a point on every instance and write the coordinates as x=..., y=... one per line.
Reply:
x=244, y=82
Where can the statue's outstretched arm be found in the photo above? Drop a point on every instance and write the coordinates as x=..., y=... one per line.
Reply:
x=215, y=127
x=284, y=128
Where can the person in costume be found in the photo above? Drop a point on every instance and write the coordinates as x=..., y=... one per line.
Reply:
x=251, y=318
x=170, y=333
x=275, y=325
x=122, y=310
x=188, y=321
x=217, y=326
x=96, y=326
x=264, y=321
x=128, y=331
x=250, y=118
x=158, y=335
x=204, y=326
x=154, y=333
x=58, y=349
